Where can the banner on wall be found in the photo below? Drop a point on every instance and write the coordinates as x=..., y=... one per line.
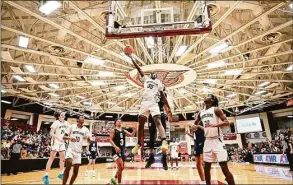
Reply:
x=270, y=158
x=230, y=136
x=183, y=147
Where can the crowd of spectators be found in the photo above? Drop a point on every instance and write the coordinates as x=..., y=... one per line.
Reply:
x=102, y=127
x=34, y=145
x=275, y=146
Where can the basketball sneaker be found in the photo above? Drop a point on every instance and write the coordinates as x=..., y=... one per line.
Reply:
x=94, y=173
x=46, y=179
x=164, y=162
x=135, y=149
x=86, y=173
x=151, y=160
x=164, y=146
x=60, y=176
x=114, y=181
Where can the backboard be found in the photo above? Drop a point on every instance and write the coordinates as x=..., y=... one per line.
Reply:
x=133, y=19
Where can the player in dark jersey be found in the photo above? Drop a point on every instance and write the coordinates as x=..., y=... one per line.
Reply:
x=117, y=140
x=198, y=136
x=93, y=152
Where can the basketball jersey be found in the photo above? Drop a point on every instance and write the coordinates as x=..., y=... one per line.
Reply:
x=199, y=135
x=59, y=130
x=93, y=147
x=174, y=146
x=161, y=102
x=78, y=133
x=152, y=89
x=209, y=116
x=119, y=139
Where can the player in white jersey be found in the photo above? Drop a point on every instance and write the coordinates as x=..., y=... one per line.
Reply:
x=57, y=145
x=75, y=134
x=149, y=105
x=174, y=150
x=214, y=149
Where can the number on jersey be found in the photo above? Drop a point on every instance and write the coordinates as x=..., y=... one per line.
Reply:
x=150, y=86
x=77, y=139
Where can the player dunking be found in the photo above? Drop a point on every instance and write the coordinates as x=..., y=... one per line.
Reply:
x=152, y=126
x=57, y=145
x=214, y=149
x=117, y=140
x=198, y=136
x=93, y=152
x=75, y=134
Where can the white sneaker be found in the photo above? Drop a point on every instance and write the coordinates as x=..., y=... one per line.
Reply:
x=94, y=173
x=86, y=174
x=202, y=182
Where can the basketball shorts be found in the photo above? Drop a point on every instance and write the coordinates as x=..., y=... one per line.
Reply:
x=214, y=151
x=58, y=147
x=119, y=155
x=92, y=156
x=149, y=107
x=198, y=149
x=75, y=156
x=174, y=155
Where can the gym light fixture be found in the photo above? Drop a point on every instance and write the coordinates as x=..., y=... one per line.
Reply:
x=150, y=42
x=260, y=92
x=290, y=68
x=119, y=88
x=96, y=83
x=49, y=6
x=4, y=101
x=30, y=68
x=264, y=84
x=94, y=61
x=53, y=94
x=106, y=73
x=210, y=81
x=180, y=51
x=19, y=78
x=216, y=64
x=23, y=41
x=232, y=72
x=218, y=48
x=231, y=95
x=55, y=86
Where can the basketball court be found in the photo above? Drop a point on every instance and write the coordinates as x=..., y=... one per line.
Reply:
x=72, y=56
x=187, y=174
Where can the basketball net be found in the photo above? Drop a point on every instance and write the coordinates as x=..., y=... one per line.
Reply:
x=161, y=48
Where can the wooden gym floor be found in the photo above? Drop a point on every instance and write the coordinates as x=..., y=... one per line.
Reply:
x=135, y=173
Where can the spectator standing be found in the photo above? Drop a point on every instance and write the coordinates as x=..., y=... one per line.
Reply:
x=289, y=151
x=15, y=149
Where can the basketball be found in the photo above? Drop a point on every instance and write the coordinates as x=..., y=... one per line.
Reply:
x=128, y=50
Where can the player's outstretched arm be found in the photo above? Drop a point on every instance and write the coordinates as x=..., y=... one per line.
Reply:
x=127, y=75
x=222, y=116
x=130, y=134
x=137, y=67
x=169, y=113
